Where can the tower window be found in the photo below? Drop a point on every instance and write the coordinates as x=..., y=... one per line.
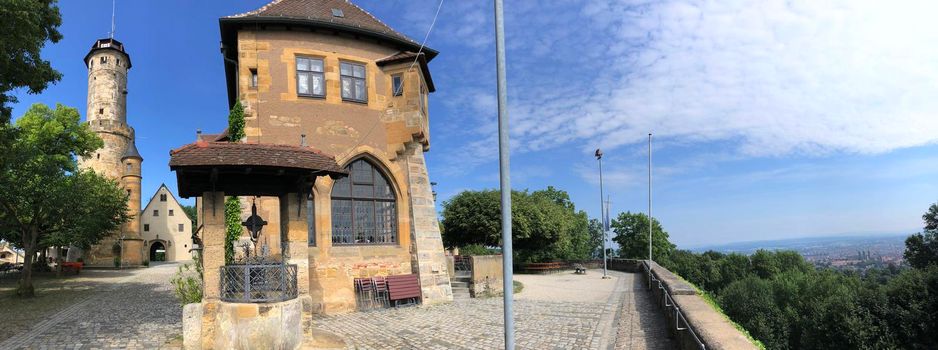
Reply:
x=103, y=59
x=171, y=212
x=310, y=80
x=162, y=197
x=146, y=227
x=156, y=213
x=118, y=62
x=398, y=83
x=99, y=155
x=100, y=110
x=353, y=82
x=129, y=167
x=181, y=227
x=254, y=78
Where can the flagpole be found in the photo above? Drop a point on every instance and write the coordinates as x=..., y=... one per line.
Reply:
x=504, y=177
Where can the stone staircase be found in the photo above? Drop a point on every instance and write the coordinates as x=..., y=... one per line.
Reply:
x=460, y=285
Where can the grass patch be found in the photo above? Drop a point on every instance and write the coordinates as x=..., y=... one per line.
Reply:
x=707, y=298
x=516, y=286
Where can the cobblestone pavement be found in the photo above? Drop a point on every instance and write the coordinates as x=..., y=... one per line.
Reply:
x=641, y=324
x=137, y=311
x=608, y=323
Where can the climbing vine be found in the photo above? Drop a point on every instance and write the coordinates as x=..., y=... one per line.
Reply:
x=236, y=123
x=233, y=226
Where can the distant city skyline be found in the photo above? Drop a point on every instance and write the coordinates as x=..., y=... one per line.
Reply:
x=771, y=121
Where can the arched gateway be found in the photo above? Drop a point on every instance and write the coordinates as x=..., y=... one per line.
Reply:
x=157, y=251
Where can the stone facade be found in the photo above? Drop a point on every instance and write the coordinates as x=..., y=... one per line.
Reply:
x=108, y=65
x=166, y=225
x=389, y=130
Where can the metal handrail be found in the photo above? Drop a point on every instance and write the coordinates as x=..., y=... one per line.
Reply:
x=669, y=302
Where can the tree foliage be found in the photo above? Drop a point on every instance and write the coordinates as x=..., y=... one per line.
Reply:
x=545, y=224
x=631, y=233
x=921, y=249
x=46, y=200
x=192, y=215
x=26, y=26
x=786, y=303
x=236, y=123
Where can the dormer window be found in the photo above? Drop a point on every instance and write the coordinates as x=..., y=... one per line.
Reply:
x=310, y=80
x=397, y=81
x=353, y=82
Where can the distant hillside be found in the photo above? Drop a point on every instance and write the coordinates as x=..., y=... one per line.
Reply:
x=810, y=243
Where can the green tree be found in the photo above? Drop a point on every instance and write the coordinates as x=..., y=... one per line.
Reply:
x=193, y=216
x=45, y=198
x=545, y=224
x=27, y=25
x=631, y=233
x=596, y=238
x=921, y=249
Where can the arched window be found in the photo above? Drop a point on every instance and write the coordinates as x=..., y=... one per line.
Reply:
x=364, y=208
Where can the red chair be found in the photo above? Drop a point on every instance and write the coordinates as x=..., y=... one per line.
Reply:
x=381, y=290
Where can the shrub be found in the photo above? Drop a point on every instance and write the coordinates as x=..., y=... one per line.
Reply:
x=187, y=283
x=476, y=249
x=146, y=263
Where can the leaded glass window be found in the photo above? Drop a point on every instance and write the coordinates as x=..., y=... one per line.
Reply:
x=353, y=82
x=309, y=77
x=364, y=208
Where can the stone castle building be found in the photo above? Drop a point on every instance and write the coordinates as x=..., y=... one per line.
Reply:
x=165, y=228
x=328, y=75
x=108, y=64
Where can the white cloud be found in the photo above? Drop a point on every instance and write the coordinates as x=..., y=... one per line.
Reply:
x=772, y=77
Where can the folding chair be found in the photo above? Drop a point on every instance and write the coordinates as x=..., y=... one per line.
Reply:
x=381, y=290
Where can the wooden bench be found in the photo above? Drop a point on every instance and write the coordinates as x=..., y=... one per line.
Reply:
x=404, y=288
x=543, y=267
x=69, y=267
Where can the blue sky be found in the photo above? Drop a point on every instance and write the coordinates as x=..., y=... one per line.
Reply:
x=773, y=119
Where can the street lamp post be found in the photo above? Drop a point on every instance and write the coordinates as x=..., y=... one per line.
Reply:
x=602, y=212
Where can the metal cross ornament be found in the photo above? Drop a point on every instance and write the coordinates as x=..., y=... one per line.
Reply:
x=254, y=223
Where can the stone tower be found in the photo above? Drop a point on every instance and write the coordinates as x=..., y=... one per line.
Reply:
x=108, y=64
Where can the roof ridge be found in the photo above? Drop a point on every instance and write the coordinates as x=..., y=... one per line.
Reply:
x=255, y=12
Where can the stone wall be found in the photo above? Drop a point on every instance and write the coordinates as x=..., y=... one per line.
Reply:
x=391, y=131
x=428, y=242
x=711, y=327
x=487, y=275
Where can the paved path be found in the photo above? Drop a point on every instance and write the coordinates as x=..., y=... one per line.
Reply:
x=558, y=311
x=135, y=311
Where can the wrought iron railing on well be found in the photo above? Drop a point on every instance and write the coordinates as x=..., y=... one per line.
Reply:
x=258, y=282
x=668, y=302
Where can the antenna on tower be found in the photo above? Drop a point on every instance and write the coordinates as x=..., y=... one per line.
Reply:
x=113, y=12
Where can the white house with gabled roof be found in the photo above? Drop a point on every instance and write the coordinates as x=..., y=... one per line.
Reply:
x=165, y=228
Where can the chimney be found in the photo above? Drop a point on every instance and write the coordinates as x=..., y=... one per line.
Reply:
x=303, y=140
x=198, y=134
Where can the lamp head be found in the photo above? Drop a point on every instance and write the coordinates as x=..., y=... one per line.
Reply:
x=599, y=153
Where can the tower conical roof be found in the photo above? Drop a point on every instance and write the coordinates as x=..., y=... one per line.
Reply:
x=132, y=152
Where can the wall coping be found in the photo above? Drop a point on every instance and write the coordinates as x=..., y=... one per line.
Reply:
x=712, y=327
